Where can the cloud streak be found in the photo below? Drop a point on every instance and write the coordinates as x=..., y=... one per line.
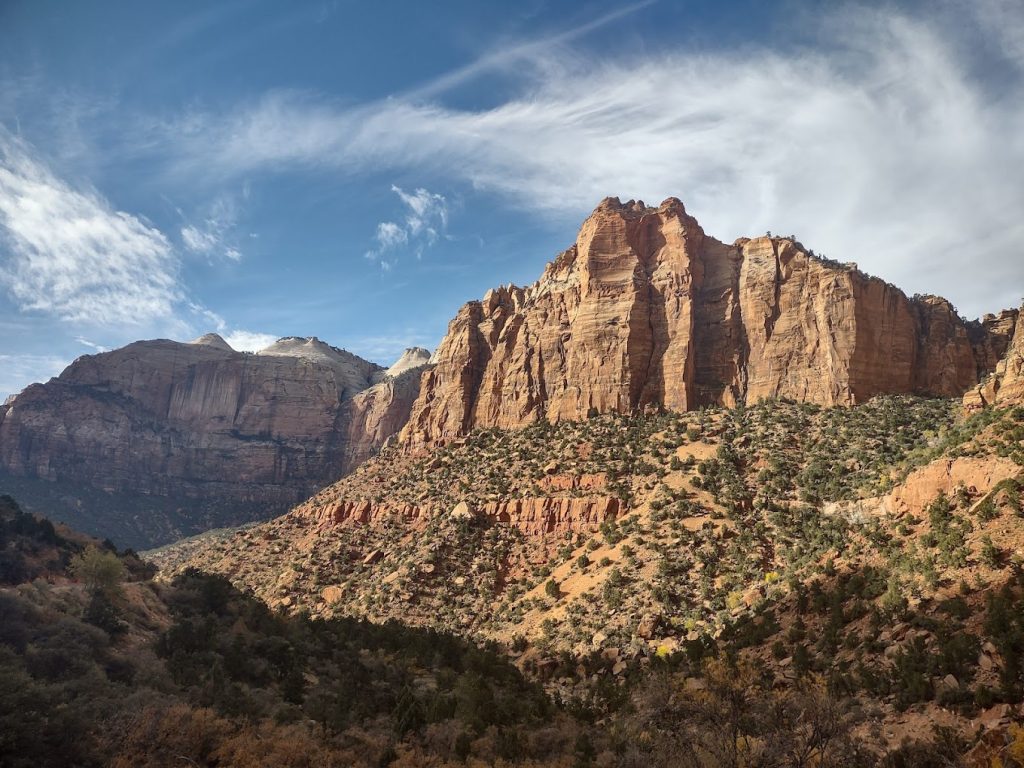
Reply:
x=879, y=145
x=70, y=254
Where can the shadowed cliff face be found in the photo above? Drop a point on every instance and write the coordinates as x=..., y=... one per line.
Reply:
x=203, y=422
x=645, y=309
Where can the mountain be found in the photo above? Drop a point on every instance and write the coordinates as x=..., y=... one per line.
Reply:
x=161, y=439
x=672, y=463
x=1006, y=384
x=645, y=309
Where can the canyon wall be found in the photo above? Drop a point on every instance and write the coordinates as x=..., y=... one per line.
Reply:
x=646, y=310
x=205, y=423
x=1005, y=386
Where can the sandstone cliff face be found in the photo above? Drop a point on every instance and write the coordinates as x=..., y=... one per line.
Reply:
x=378, y=413
x=645, y=310
x=1006, y=384
x=202, y=421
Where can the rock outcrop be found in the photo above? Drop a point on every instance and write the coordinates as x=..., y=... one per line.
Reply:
x=201, y=421
x=535, y=516
x=646, y=310
x=1005, y=386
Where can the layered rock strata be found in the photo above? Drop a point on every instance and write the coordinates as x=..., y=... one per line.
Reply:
x=538, y=516
x=202, y=421
x=646, y=310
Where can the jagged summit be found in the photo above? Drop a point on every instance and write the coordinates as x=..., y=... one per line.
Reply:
x=645, y=310
x=637, y=208
x=213, y=340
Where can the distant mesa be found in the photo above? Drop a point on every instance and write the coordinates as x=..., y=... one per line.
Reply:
x=221, y=435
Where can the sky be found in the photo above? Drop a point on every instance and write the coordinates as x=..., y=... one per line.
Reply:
x=357, y=171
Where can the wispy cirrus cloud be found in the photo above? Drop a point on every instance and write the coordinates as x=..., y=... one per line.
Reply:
x=877, y=143
x=425, y=220
x=90, y=344
x=213, y=234
x=70, y=254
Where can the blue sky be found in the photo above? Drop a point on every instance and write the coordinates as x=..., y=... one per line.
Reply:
x=357, y=171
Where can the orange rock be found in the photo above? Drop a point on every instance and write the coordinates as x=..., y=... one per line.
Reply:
x=646, y=310
x=1006, y=384
x=533, y=516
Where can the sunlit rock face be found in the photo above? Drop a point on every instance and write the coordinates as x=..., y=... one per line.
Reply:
x=645, y=309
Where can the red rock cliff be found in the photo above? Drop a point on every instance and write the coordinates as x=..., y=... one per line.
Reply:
x=646, y=309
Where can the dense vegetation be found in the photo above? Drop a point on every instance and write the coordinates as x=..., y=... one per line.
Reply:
x=104, y=671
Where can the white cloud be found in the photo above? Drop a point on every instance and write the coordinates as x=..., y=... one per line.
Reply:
x=70, y=254
x=90, y=344
x=426, y=216
x=426, y=211
x=879, y=145
x=390, y=235
x=248, y=341
x=212, y=236
x=197, y=240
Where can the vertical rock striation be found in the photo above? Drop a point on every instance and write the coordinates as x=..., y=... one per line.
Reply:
x=645, y=310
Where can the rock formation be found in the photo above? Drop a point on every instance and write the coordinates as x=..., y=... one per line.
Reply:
x=533, y=516
x=202, y=421
x=1006, y=384
x=646, y=310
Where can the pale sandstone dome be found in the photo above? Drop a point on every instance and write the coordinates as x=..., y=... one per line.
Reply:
x=356, y=373
x=213, y=340
x=413, y=357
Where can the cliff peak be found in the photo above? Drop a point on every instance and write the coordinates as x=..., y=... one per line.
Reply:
x=213, y=340
x=646, y=310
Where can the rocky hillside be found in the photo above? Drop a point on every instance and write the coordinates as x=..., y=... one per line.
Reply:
x=873, y=546
x=182, y=437
x=645, y=309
